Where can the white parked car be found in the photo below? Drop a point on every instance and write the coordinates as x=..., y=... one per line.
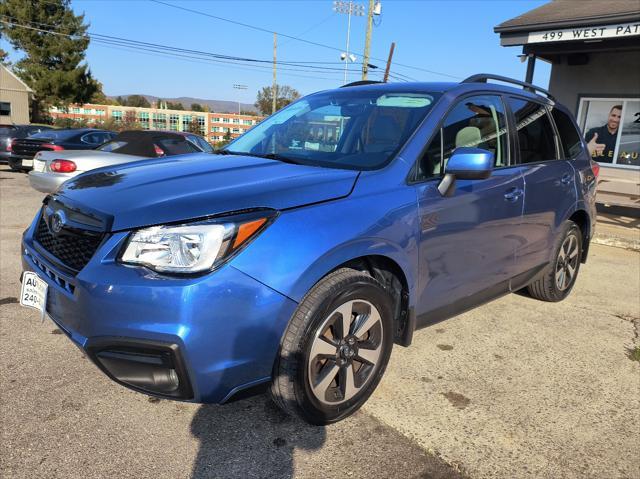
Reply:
x=52, y=168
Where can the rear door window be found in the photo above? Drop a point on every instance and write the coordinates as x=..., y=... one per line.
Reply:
x=569, y=136
x=536, y=138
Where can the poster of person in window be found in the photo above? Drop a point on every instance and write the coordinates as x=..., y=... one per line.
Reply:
x=612, y=129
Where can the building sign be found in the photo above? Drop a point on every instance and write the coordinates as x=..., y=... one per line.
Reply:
x=612, y=130
x=620, y=30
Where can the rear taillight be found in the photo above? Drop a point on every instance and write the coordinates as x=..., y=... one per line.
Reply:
x=595, y=167
x=10, y=142
x=158, y=150
x=52, y=147
x=63, y=166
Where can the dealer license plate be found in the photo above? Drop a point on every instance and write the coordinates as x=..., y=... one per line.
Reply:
x=27, y=163
x=34, y=292
x=38, y=165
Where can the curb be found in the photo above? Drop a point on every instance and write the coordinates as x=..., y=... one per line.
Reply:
x=617, y=241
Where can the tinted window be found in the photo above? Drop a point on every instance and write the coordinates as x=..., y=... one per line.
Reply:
x=7, y=130
x=477, y=122
x=5, y=108
x=96, y=138
x=569, y=136
x=37, y=129
x=536, y=140
x=176, y=146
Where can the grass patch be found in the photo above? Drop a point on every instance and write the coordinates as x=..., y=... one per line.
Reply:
x=634, y=353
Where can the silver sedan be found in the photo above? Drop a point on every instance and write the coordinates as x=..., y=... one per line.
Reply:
x=52, y=168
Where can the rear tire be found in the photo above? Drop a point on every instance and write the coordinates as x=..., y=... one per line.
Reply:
x=558, y=278
x=327, y=368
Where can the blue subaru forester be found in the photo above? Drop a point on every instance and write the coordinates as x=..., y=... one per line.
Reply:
x=300, y=254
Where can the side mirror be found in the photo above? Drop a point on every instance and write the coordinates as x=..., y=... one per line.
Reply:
x=466, y=164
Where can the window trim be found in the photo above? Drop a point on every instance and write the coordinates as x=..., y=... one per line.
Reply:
x=411, y=176
x=8, y=103
x=517, y=141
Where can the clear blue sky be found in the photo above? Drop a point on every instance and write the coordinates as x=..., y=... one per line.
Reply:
x=453, y=37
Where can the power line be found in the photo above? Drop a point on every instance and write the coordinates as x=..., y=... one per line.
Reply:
x=265, y=30
x=133, y=47
x=184, y=53
x=96, y=37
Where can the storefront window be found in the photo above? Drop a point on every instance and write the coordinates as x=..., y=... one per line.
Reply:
x=612, y=130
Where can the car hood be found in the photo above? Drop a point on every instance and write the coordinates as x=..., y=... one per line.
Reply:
x=152, y=192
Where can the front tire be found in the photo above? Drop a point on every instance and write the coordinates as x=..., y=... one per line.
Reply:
x=559, y=277
x=335, y=349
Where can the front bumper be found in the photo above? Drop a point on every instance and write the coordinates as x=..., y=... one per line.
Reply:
x=47, y=182
x=225, y=326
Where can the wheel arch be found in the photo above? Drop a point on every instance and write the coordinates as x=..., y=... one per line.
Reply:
x=384, y=261
x=583, y=220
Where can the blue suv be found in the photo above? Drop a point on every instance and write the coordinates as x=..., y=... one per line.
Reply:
x=296, y=258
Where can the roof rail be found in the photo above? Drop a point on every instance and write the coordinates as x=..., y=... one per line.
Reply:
x=361, y=82
x=483, y=77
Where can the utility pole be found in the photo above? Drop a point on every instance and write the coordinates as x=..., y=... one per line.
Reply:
x=386, y=71
x=274, y=87
x=367, y=40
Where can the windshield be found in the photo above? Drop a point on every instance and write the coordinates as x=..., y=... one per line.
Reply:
x=55, y=134
x=352, y=129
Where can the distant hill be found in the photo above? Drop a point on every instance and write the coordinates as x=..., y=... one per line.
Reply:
x=218, y=106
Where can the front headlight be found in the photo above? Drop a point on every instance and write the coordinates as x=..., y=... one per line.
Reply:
x=193, y=247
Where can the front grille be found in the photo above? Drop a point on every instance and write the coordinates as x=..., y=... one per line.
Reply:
x=73, y=250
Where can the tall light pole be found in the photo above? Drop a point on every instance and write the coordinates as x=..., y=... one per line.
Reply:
x=350, y=8
x=239, y=87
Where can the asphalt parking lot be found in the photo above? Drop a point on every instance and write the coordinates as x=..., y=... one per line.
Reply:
x=517, y=388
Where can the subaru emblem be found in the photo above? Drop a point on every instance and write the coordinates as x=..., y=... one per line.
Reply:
x=57, y=222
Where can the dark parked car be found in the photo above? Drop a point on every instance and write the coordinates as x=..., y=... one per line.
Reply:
x=8, y=133
x=154, y=143
x=23, y=150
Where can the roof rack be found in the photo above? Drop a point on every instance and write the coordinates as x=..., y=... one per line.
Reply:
x=361, y=82
x=483, y=77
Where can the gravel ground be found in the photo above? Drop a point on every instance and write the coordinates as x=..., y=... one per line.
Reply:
x=517, y=388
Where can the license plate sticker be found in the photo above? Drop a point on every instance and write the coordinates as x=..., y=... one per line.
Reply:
x=34, y=292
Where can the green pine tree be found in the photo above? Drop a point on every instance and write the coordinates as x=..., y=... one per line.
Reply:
x=53, y=65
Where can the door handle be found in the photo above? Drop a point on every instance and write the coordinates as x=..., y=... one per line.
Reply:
x=566, y=179
x=513, y=195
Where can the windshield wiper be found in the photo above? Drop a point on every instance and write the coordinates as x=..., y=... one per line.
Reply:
x=276, y=156
x=224, y=151
x=268, y=156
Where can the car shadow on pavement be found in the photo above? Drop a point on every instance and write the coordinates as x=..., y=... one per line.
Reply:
x=251, y=438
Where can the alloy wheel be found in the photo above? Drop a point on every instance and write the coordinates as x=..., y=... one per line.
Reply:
x=345, y=351
x=567, y=264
